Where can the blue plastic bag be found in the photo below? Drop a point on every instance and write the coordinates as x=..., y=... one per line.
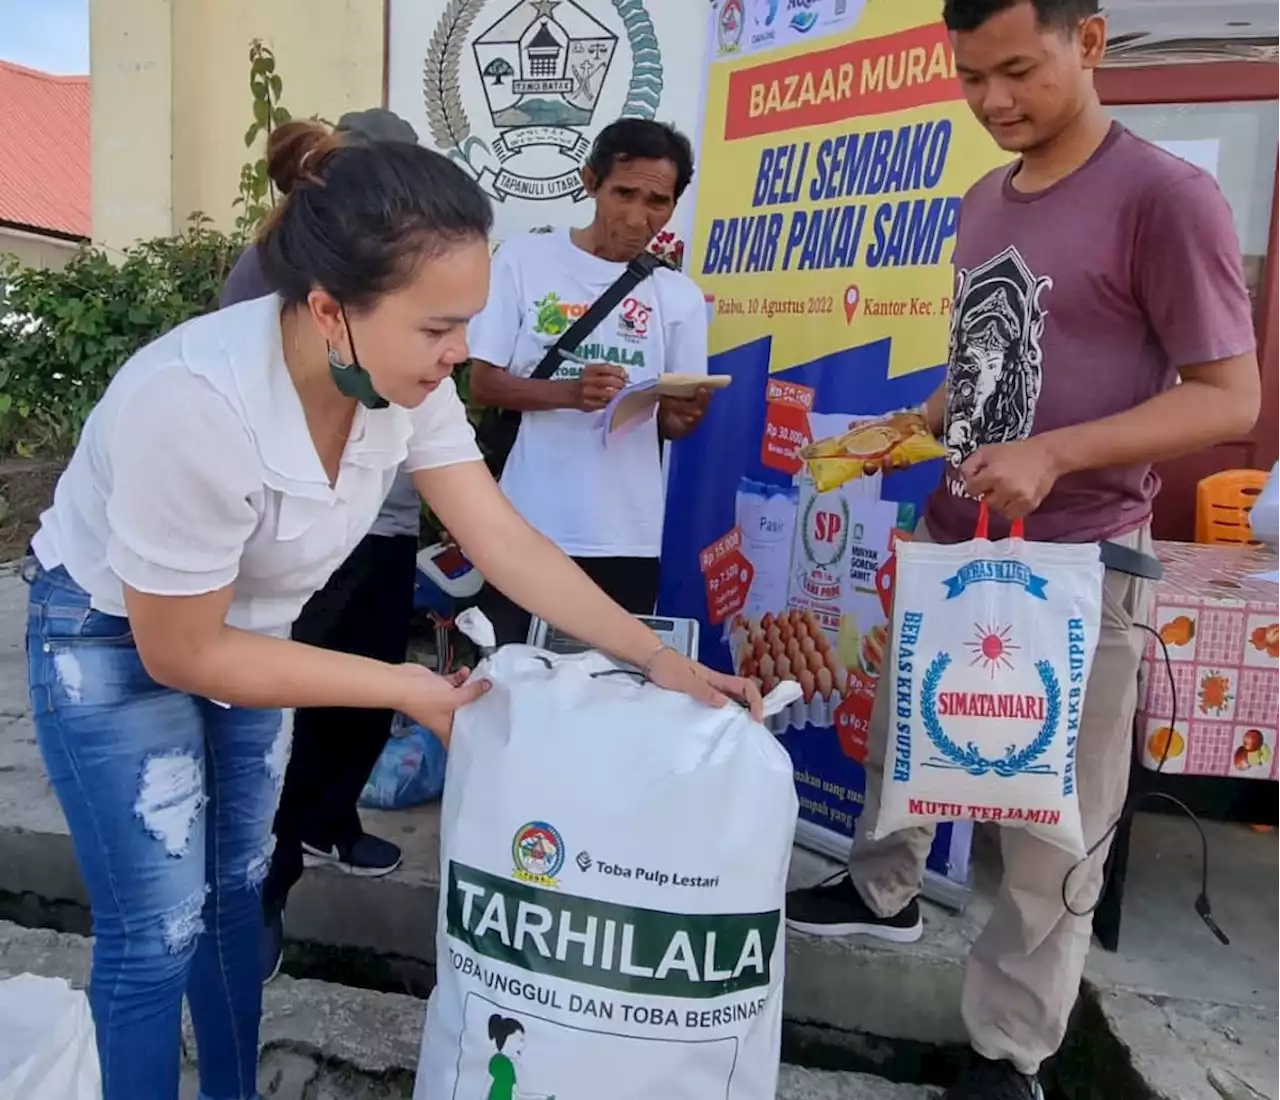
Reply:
x=410, y=770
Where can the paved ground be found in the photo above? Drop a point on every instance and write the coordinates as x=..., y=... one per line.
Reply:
x=1196, y=1019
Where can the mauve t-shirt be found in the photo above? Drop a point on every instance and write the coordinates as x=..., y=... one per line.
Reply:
x=1078, y=302
x=401, y=512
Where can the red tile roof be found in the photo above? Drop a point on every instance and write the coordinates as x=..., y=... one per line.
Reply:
x=44, y=150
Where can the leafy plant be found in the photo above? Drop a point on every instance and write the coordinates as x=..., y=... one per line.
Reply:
x=63, y=334
x=257, y=193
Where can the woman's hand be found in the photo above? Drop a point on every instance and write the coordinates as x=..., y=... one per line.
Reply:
x=668, y=669
x=432, y=700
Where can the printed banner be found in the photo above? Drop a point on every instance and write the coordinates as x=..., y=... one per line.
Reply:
x=831, y=175
x=515, y=91
x=753, y=26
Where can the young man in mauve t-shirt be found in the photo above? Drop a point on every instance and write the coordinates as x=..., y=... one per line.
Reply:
x=1092, y=275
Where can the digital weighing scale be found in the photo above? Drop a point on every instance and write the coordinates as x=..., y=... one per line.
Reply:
x=680, y=634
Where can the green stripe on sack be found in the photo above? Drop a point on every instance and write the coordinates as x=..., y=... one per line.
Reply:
x=640, y=951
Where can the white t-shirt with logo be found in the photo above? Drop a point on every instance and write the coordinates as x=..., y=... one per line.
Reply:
x=590, y=499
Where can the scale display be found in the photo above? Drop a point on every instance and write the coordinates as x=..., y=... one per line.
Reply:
x=680, y=634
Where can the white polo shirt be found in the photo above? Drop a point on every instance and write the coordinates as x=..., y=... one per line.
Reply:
x=196, y=470
x=591, y=500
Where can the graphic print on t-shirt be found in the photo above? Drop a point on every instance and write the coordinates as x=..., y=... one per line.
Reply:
x=995, y=365
x=633, y=319
x=552, y=317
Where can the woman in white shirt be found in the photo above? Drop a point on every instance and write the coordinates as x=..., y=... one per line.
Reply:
x=230, y=467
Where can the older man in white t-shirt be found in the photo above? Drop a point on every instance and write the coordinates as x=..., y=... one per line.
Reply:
x=602, y=505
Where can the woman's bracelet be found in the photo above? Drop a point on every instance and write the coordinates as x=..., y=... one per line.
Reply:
x=646, y=669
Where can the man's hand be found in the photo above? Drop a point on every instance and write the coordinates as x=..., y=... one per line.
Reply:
x=678, y=416
x=597, y=386
x=1013, y=478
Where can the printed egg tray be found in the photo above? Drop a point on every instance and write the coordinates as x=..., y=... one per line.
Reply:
x=791, y=645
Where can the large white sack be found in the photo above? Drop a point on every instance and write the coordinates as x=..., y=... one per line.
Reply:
x=992, y=647
x=613, y=864
x=47, y=1047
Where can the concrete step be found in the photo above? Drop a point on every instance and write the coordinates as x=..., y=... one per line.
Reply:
x=1185, y=1049
x=331, y=1042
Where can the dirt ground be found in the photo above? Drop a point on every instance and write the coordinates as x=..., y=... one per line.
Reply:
x=26, y=487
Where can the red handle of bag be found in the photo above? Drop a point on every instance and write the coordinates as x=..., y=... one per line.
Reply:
x=1016, y=529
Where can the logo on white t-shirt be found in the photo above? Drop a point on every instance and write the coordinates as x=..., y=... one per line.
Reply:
x=552, y=317
x=633, y=319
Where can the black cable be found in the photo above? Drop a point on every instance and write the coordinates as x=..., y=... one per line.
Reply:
x=1133, y=803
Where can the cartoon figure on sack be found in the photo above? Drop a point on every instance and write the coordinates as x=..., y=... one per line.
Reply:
x=508, y=1036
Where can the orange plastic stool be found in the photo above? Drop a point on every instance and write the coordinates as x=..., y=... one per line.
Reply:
x=1223, y=501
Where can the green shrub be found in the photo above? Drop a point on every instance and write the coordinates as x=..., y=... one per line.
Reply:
x=63, y=334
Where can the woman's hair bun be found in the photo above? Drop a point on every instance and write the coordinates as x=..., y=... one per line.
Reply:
x=296, y=150
x=361, y=216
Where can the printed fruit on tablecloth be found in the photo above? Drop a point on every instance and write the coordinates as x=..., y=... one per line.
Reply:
x=1215, y=693
x=1266, y=639
x=1166, y=743
x=1253, y=752
x=1178, y=631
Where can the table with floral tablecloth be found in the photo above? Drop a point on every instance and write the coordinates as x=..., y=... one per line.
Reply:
x=1222, y=630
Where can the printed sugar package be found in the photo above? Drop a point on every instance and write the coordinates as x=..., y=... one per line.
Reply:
x=758, y=637
x=613, y=873
x=767, y=516
x=991, y=651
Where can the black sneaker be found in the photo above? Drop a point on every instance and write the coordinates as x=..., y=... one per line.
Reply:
x=986, y=1080
x=272, y=949
x=835, y=908
x=368, y=856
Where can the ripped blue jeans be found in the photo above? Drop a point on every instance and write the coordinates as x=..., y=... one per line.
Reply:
x=170, y=800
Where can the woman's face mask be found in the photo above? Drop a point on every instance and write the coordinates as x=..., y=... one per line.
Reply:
x=351, y=378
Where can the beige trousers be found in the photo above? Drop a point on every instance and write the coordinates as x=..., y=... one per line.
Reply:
x=1025, y=968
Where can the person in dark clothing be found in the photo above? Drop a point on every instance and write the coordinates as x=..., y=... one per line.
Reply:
x=365, y=610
